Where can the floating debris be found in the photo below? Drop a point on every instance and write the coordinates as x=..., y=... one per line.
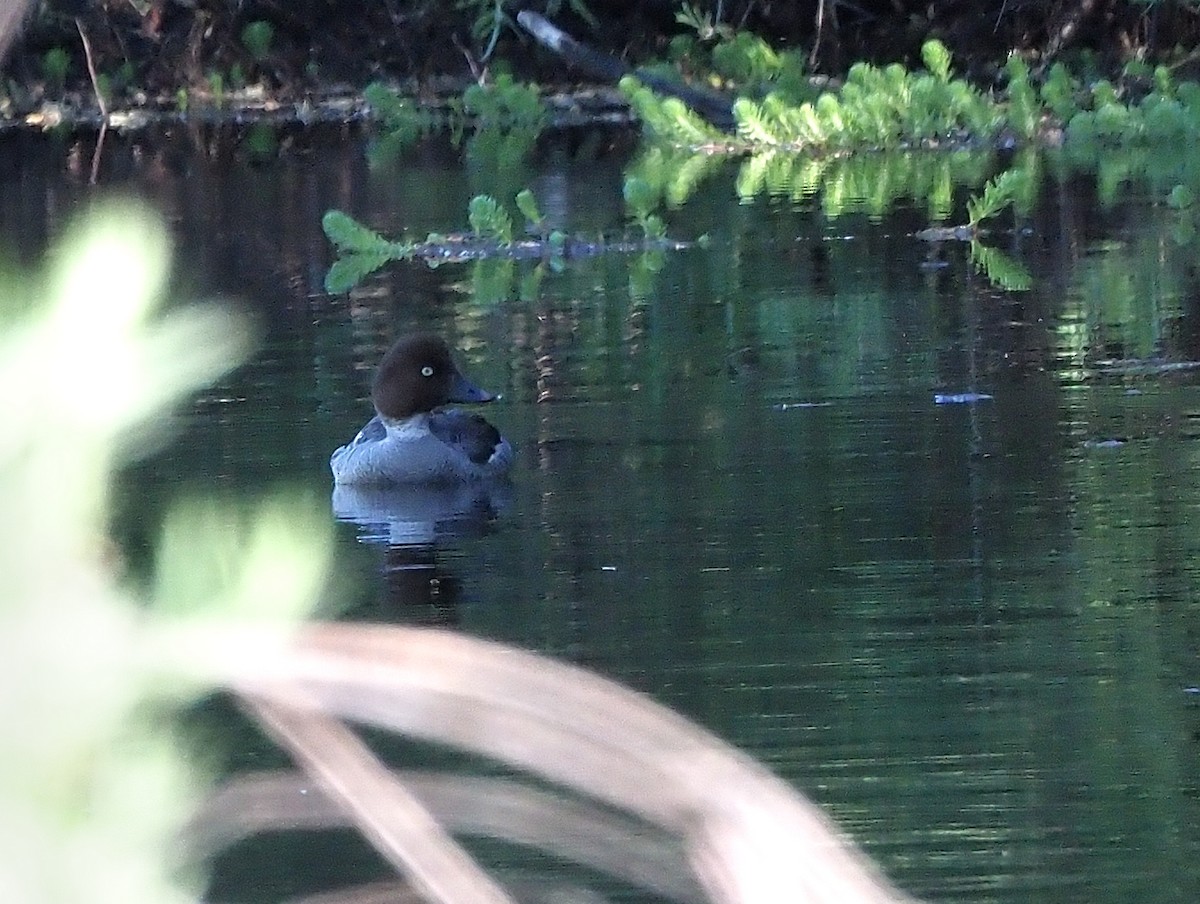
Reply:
x=1114, y=442
x=1144, y=366
x=960, y=398
x=788, y=406
x=947, y=234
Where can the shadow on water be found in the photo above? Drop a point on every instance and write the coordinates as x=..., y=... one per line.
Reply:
x=967, y=626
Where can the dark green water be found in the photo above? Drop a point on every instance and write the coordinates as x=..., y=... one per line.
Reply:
x=968, y=630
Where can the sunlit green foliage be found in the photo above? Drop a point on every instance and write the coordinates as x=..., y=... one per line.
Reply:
x=403, y=121
x=502, y=120
x=506, y=118
x=55, y=64
x=755, y=68
x=936, y=57
x=257, y=38
x=505, y=105
x=814, y=148
x=489, y=220
x=1024, y=105
x=361, y=251
x=670, y=119
x=96, y=786
x=1060, y=92
x=999, y=193
x=704, y=23
x=554, y=241
x=1000, y=269
x=747, y=60
x=1141, y=142
x=527, y=204
x=798, y=145
x=875, y=108
x=739, y=59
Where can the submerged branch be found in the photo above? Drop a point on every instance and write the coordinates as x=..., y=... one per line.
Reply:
x=714, y=108
x=747, y=833
x=391, y=817
x=466, y=805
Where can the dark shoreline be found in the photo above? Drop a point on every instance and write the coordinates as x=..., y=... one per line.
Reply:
x=568, y=108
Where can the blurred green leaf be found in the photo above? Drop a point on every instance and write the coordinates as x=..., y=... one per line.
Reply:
x=347, y=272
x=936, y=58
x=227, y=559
x=527, y=204
x=1001, y=269
x=489, y=220
x=349, y=235
x=96, y=787
x=640, y=196
x=1181, y=196
x=257, y=38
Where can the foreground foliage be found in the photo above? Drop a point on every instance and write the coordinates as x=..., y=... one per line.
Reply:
x=156, y=48
x=96, y=787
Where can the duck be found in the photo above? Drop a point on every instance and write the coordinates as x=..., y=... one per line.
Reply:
x=412, y=439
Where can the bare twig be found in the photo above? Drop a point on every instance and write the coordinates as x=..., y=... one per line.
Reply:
x=477, y=73
x=390, y=891
x=100, y=101
x=716, y=108
x=569, y=828
x=91, y=68
x=747, y=833
x=384, y=810
x=816, y=48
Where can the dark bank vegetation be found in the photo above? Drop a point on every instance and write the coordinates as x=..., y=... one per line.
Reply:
x=832, y=100
x=159, y=51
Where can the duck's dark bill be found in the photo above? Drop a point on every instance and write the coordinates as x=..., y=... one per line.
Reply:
x=464, y=391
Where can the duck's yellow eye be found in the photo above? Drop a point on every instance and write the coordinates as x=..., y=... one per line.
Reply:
x=427, y=371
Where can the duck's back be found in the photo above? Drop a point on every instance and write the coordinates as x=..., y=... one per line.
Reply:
x=448, y=446
x=469, y=433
